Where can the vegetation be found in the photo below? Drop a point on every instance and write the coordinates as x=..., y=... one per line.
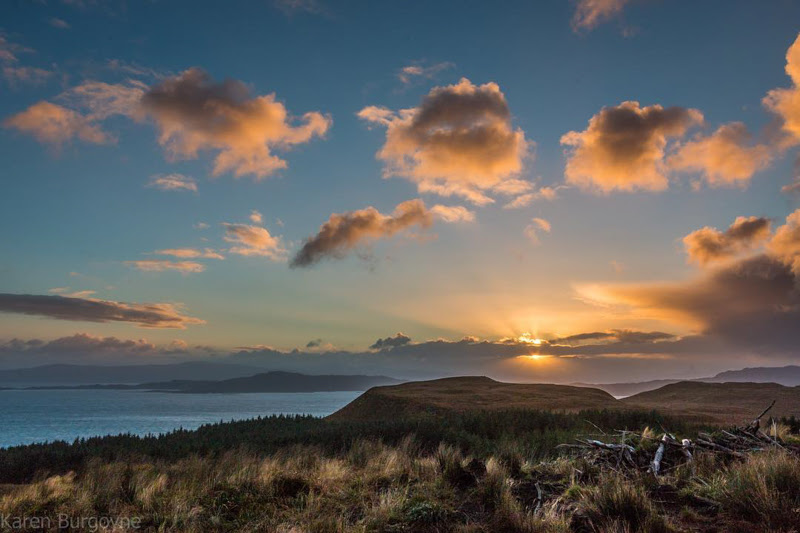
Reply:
x=531, y=434
x=376, y=487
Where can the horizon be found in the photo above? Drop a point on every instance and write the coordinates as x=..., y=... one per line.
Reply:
x=569, y=191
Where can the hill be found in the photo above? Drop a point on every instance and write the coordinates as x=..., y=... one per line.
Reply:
x=464, y=394
x=732, y=403
x=275, y=382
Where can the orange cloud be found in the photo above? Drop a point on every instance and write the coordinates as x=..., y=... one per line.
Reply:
x=254, y=240
x=343, y=232
x=785, y=244
x=161, y=265
x=726, y=157
x=190, y=253
x=54, y=124
x=194, y=113
x=591, y=13
x=147, y=315
x=785, y=102
x=707, y=245
x=452, y=213
x=623, y=147
x=524, y=200
x=536, y=226
x=459, y=141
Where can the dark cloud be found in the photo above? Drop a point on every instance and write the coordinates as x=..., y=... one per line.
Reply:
x=314, y=343
x=708, y=244
x=147, y=315
x=459, y=141
x=397, y=339
x=623, y=147
x=753, y=303
x=343, y=232
x=84, y=348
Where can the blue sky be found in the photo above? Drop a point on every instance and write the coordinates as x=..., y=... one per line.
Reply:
x=75, y=213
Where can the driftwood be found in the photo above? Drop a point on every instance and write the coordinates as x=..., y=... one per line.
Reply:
x=630, y=451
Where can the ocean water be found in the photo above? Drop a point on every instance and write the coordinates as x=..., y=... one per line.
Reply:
x=28, y=416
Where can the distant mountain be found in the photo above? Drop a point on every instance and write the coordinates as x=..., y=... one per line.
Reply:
x=264, y=382
x=92, y=374
x=782, y=375
x=276, y=382
x=468, y=394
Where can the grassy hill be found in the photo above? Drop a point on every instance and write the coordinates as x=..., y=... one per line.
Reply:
x=463, y=394
x=730, y=403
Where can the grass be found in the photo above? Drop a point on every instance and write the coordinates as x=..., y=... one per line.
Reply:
x=375, y=487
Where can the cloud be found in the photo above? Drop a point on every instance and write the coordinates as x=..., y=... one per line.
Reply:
x=343, y=232
x=58, y=23
x=398, y=339
x=452, y=213
x=54, y=124
x=537, y=225
x=708, y=244
x=623, y=147
x=410, y=73
x=725, y=158
x=9, y=50
x=785, y=102
x=459, y=141
x=785, y=244
x=173, y=182
x=591, y=13
x=792, y=188
x=161, y=265
x=637, y=354
x=256, y=217
x=65, y=291
x=524, y=200
x=752, y=303
x=200, y=226
x=191, y=253
x=194, y=113
x=147, y=315
x=101, y=100
x=26, y=75
x=254, y=240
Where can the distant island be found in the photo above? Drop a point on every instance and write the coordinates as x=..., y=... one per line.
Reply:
x=263, y=382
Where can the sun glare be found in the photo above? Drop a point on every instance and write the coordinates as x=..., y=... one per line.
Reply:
x=530, y=339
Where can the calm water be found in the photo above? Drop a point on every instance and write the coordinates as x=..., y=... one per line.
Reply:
x=36, y=416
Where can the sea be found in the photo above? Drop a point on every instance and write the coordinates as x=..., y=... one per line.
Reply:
x=31, y=416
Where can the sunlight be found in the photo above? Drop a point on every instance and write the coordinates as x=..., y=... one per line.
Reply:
x=530, y=339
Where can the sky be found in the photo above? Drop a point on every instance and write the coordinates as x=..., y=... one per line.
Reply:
x=587, y=190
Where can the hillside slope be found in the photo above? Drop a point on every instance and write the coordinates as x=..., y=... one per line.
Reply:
x=469, y=393
x=732, y=403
